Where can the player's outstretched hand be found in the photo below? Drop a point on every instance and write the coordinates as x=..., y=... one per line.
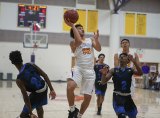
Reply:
x=96, y=35
x=52, y=95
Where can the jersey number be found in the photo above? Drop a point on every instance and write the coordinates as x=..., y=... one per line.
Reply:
x=86, y=51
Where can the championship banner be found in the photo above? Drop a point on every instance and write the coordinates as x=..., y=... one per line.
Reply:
x=130, y=24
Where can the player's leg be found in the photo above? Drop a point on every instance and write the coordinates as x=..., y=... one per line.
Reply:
x=98, y=104
x=71, y=85
x=37, y=101
x=118, y=105
x=98, y=95
x=102, y=95
x=130, y=107
x=85, y=104
x=25, y=112
x=40, y=112
x=87, y=88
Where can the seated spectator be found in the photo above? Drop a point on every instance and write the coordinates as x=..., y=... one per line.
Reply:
x=153, y=79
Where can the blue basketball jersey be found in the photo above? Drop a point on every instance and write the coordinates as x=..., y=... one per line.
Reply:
x=97, y=68
x=32, y=80
x=122, y=78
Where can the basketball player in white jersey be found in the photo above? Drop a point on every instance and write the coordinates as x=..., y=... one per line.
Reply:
x=125, y=44
x=83, y=73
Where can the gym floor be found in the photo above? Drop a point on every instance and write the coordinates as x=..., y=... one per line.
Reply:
x=11, y=102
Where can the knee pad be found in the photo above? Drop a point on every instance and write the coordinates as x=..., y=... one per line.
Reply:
x=121, y=115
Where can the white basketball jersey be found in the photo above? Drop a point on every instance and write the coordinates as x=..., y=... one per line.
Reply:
x=84, y=54
x=130, y=64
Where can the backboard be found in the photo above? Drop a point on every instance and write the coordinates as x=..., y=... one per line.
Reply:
x=34, y=40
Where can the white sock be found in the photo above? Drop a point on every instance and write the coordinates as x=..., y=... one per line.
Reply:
x=72, y=108
x=79, y=115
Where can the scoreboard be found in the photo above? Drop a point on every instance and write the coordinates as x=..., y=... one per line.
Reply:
x=28, y=14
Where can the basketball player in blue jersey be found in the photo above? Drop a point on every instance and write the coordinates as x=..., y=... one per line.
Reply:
x=100, y=89
x=125, y=44
x=29, y=80
x=83, y=72
x=122, y=77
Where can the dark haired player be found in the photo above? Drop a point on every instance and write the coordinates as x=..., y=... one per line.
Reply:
x=83, y=72
x=100, y=89
x=29, y=80
x=122, y=77
x=125, y=44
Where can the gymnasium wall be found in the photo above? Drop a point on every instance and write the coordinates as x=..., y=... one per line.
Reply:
x=56, y=60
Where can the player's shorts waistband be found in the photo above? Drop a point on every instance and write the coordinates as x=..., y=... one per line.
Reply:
x=42, y=89
x=122, y=94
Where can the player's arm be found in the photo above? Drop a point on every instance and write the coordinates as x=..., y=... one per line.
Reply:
x=95, y=41
x=77, y=37
x=138, y=70
x=137, y=59
x=72, y=46
x=26, y=99
x=45, y=76
x=116, y=60
x=106, y=76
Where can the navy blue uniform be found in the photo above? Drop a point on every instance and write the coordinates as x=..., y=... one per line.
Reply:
x=122, y=101
x=99, y=88
x=34, y=84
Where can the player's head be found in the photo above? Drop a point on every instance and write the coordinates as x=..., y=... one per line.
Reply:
x=15, y=57
x=80, y=30
x=125, y=43
x=123, y=58
x=101, y=57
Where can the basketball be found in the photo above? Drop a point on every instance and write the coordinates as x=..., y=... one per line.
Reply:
x=72, y=15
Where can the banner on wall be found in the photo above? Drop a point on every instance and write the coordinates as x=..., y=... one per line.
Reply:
x=82, y=18
x=141, y=24
x=130, y=24
x=92, y=21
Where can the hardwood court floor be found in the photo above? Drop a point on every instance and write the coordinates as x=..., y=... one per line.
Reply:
x=11, y=102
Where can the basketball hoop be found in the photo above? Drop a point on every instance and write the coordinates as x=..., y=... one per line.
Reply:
x=35, y=41
x=35, y=46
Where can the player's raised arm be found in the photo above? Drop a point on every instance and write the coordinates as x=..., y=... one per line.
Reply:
x=95, y=41
x=138, y=70
x=20, y=84
x=116, y=60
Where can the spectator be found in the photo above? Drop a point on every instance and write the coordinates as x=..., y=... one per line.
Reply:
x=145, y=70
